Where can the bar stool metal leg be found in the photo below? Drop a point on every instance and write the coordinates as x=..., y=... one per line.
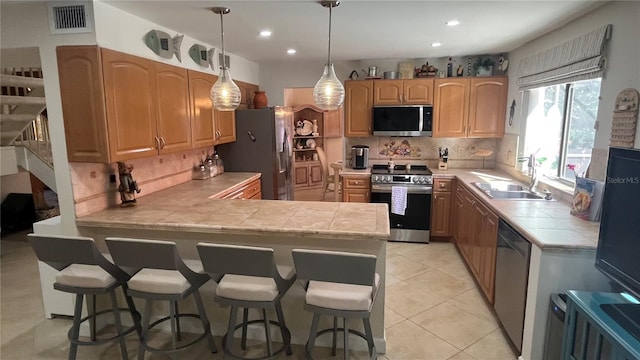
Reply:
x=335, y=336
x=245, y=320
x=93, y=318
x=230, y=329
x=145, y=329
x=205, y=321
x=346, y=338
x=118, y=322
x=283, y=329
x=267, y=333
x=75, y=333
x=177, y=314
x=313, y=333
x=369, y=335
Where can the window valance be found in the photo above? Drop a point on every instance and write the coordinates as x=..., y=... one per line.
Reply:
x=581, y=58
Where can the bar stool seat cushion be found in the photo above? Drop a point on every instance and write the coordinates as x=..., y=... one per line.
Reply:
x=340, y=296
x=157, y=281
x=252, y=288
x=85, y=276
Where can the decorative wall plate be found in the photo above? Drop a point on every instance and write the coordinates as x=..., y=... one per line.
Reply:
x=163, y=45
x=198, y=53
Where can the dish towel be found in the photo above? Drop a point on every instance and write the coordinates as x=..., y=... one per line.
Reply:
x=398, y=199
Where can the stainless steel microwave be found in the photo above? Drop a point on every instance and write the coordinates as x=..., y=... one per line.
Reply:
x=404, y=120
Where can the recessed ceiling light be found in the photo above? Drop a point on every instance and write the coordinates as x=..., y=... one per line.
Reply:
x=291, y=51
x=265, y=33
x=452, y=23
x=436, y=44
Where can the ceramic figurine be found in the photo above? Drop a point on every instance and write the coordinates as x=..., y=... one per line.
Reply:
x=163, y=45
x=128, y=187
x=460, y=71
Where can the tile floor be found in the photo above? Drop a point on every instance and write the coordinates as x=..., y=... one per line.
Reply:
x=433, y=311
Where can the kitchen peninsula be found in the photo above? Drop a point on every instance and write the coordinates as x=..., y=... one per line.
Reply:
x=193, y=212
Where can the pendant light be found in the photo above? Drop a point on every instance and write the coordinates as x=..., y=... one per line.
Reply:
x=328, y=93
x=225, y=94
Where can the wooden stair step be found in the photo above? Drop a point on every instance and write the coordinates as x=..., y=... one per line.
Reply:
x=17, y=117
x=20, y=81
x=22, y=100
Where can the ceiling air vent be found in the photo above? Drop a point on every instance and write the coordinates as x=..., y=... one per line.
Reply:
x=69, y=18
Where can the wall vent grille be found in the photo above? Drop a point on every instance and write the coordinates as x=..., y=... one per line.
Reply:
x=69, y=18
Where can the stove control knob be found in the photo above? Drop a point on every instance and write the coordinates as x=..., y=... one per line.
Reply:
x=374, y=178
x=387, y=179
x=429, y=180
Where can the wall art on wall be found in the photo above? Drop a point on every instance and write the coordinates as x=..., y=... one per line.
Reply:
x=210, y=54
x=198, y=53
x=402, y=149
x=163, y=45
x=625, y=118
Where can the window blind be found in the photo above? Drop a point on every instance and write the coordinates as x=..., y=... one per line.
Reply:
x=581, y=58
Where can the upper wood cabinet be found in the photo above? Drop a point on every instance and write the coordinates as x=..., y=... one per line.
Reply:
x=173, y=109
x=203, y=130
x=357, y=107
x=403, y=92
x=247, y=93
x=469, y=107
x=82, y=93
x=225, y=122
x=487, y=107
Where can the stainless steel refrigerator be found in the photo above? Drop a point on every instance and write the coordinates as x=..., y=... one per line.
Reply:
x=263, y=144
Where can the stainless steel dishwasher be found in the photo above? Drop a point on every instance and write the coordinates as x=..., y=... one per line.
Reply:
x=512, y=274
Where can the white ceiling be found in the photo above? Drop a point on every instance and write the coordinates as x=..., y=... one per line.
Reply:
x=363, y=29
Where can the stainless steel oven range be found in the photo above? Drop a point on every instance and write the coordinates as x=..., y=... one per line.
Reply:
x=414, y=225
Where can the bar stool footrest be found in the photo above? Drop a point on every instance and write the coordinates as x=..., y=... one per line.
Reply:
x=374, y=355
x=125, y=332
x=286, y=340
x=159, y=321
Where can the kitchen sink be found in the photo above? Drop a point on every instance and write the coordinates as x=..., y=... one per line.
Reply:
x=502, y=190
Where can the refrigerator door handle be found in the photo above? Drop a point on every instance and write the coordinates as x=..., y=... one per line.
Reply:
x=251, y=136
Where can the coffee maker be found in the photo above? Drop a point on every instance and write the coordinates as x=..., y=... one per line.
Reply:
x=359, y=156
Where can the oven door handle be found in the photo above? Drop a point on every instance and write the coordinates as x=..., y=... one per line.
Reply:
x=410, y=189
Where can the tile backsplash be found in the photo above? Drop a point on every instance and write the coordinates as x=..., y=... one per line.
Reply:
x=93, y=191
x=425, y=149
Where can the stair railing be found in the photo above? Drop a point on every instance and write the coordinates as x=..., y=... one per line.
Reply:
x=35, y=137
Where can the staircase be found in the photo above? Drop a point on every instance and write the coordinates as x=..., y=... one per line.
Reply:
x=23, y=124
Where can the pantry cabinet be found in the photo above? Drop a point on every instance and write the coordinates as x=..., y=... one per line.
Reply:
x=469, y=107
x=403, y=92
x=307, y=174
x=358, y=107
x=475, y=232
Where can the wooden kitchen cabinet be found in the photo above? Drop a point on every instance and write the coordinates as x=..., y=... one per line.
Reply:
x=487, y=107
x=203, y=130
x=251, y=191
x=118, y=107
x=469, y=107
x=307, y=174
x=441, y=207
x=358, y=107
x=475, y=233
x=403, y=92
x=356, y=189
x=247, y=93
x=225, y=123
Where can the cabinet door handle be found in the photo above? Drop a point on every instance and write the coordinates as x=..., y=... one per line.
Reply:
x=157, y=142
x=162, y=143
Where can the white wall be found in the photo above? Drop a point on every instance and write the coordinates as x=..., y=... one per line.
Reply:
x=20, y=57
x=17, y=183
x=121, y=31
x=26, y=24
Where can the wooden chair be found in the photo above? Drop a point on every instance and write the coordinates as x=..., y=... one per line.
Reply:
x=330, y=183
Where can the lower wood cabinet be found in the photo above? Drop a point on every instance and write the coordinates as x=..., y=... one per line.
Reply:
x=307, y=174
x=356, y=189
x=441, y=207
x=252, y=190
x=475, y=232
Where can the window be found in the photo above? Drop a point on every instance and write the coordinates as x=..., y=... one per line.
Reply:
x=561, y=127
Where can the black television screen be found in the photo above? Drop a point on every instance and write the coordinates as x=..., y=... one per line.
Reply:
x=618, y=254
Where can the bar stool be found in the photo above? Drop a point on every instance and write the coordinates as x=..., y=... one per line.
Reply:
x=338, y=284
x=248, y=277
x=83, y=270
x=162, y=275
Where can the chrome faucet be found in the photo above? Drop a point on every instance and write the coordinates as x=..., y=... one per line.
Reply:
x=533, y=171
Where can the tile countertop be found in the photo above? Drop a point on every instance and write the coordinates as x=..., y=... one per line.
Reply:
x=546, y=224
x=192, y=207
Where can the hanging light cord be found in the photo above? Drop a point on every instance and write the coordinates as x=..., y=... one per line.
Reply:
x=329, y=52
x=224, y=58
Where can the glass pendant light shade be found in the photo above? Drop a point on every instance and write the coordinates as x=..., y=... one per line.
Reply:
x=328, y=93
x=225, y=94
